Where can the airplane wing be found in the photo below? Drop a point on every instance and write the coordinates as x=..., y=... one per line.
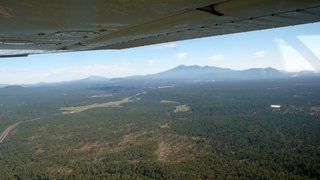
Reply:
x=37, y=26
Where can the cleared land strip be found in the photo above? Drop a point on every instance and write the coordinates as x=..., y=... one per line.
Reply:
x=77, y=109
x=7, y=130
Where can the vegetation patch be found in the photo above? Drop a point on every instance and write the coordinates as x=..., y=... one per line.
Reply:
x=131, y=138
x=59, y=170
x=39, y=151
x=175, y=148
x=315, y=108
x=164, y=126
x=163, y=151
x=181, y=108
x=171, y=147
x=88, y=146
x=101, y=96
x=168, y=101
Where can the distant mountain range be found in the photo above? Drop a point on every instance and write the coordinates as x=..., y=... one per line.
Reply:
x=13, y=87
x=88, y=80
x=195, y=72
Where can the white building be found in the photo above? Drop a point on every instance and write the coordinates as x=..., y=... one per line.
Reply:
x=275, y=106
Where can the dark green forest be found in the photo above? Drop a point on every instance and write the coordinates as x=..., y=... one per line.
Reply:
x=150, y=130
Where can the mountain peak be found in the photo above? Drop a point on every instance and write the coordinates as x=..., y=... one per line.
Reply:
x=186, y=67
x=195, y=72
x=95, y=78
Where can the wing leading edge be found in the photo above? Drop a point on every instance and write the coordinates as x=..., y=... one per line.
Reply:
x=33, y=27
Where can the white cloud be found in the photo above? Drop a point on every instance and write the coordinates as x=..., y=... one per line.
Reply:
x=216, y=57
x=152, y=61
x=182, y=55
x=166, y=46
x=260, y=54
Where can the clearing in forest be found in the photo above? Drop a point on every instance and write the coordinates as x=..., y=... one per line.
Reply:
x=181, y=108
x=77, y=109
x=176, y=148
x=168, y=101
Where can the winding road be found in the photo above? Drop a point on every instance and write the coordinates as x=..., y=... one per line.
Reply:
x=7, y=130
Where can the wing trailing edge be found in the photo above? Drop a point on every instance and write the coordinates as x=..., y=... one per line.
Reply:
x=32, y=27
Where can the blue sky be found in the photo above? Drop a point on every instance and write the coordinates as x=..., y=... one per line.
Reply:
x=257, y=49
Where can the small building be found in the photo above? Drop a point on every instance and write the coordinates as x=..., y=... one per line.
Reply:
x=275, y=106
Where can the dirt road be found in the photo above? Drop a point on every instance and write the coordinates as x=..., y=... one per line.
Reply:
x=7, y=130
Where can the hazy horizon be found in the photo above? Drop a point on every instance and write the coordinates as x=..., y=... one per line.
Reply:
x=152, y=74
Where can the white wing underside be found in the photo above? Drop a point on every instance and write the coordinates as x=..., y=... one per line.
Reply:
x=37, y=26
